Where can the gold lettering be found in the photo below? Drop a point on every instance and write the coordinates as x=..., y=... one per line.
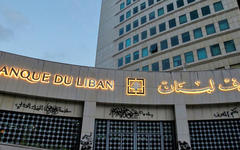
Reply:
x=4, y=71
x=68, y=81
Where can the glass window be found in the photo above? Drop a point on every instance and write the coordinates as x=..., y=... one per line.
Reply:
x=135, y=10
x=144, y=52
x=152, y=15
x=180, y=3
x=162, y=27
x=128, y=59
x=186, y=37
x=197, y=33
x=229, y=46
x=128, y=43
x=121, y=31
x=206, y=10
x=143, y=6
x=136, y=55
x=128, y=27
x=135, y=39
x=215, y=50
x=165, y=64
x=223, y=25
x=182, y=19
x=128, y=2
x=218, y=6
x=154, y=48
x=202, y=53
x=120, y=62
x=153, y=31
x=177, y=61
x=189, y=58
x=137, y=69
x=174, y=40
x=120, y=46
x=172, y=23
x=121, y=18
x=150, y=2
x=190, y=1
x=160, y=11
x=164, y=44
x=135, y=24
x=194, y=15
x=155, y=66
x=143, y=19
x=170, y=7
x=144, y=35
x=128, y=14
x=122, y=5
x=210, y=29
x=145, y=68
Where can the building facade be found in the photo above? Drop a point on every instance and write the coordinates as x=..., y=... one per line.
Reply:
x=169, y=35
x=49, y=105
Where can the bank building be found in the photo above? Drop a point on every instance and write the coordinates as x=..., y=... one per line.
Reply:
x=167, y=77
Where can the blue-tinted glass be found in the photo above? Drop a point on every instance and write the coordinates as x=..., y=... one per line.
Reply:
x=135, y=39
x=150, y=2
x=128, y=59
x=144, y=52
x=145, y=68
x=128, y=2
x=120, y=46
x=202, y=53
x=165, y=64
x=154, y=48
x=128, y=14
x=143, y=19
x=180, y=3
x=215, y=50
x=210, y=29
x=122, y=5
x=153, y=31
x=174, y=41
x=128, y=27
x=206, y=10
x=229, y=46
x=144, y=35
x=190, y=1
x=186, y=37
x=152, y=15
x=177, y=61
x=143, y=6
x=128, y=43
x=155, y=66
x=121, y=18
x=160, y=11
x=120, y=62
x=135, y=24
x=172, y=23
x=137, y=69
x=189, y=57
x=183, y=19
x=218, y=6
x=136, y=55
x=170, y=7
x=135, y=10
x=194, y=15
x=164, y=44
x=121, y=31
x=223, y=25
x=162, y=27
x=197, y=33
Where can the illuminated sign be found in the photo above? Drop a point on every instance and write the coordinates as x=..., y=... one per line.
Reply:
x=56, y=79
x=135, y=87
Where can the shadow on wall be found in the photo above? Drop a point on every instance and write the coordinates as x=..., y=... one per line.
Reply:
x=238, y=3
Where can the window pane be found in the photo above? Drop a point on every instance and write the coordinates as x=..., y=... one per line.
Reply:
x=223, y=25
x=143, y=6
x=160, y=11
x=150, y=2
x=152, y=15
x=136, y=55
x=215, y=50
x=128, y=14
x=120, y=46
x=135, y=10
x=144, y=52
x=177, y=61
x=190, y=1
x=172, y=23
x=182, y=19
x=128, y=27
x=135, y=24
x=128, y=43
x=202, y=53
x=122, y=5
x=153, y=31
x=218, y=6
x=120, y=62
x=154, y=48
x=135, y=39
x=155, y=66
x=143, y=19
x=229, y=46
x=174, y=41
x=144, y=35
x=128, y=59
x=180, y=3
x=210, y=29
x=165, y=64
x=162, y=27
x=121, y=31
x=164, y=44
x=189, y=58
x=128, y=2
x=121, y=18
x=170, y=7
x=194, y=15
x=145, y=68
x=197, y=33
x=185, y=37
x=206, y=10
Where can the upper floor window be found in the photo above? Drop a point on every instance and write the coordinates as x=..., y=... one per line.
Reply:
x=145, y=68
x=180, y=3
x=120, y=62
x=182, y=19
x=128, y=27
x=152, y=15
x=202, y=53
x=135, y=39
x=143, y=6
x=153, y=31
x=155, y=66
x=190, y=1
x=144, y=52
x=121, y=31
x=218, y=6
x=122, y=5
x=161, y=11
x=172, y=23
x=165, y=64
x=135, y=24
x=154, y=48
x=128, y=42
x=150, y=2
x=189, y=58
x=143, y=19
x=135, y=10
x=128, y=59
x=136, y=55
x=122, y=18
x=162, y=27
x=210, y=29
x=223, y=25
x=128, y=14
x=129, y=2
x=229, y=46
x=174, y=40
x=194, y=15
x=164, y=44
x=144, y=35
x=206, y=10
x=120, y=46
x=185, y=37
x=215, y=50
x=177, y=61
x=170, y=7
x=197, y=33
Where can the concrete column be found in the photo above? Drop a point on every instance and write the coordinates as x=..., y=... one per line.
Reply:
x=88, y=124
x=182, y=123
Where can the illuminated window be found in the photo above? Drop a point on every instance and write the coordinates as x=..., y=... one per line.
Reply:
x=189, y=58
x=202, y=53
x=218, y=6
x=229, y=46
x=177, y=61
x=215, y=50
